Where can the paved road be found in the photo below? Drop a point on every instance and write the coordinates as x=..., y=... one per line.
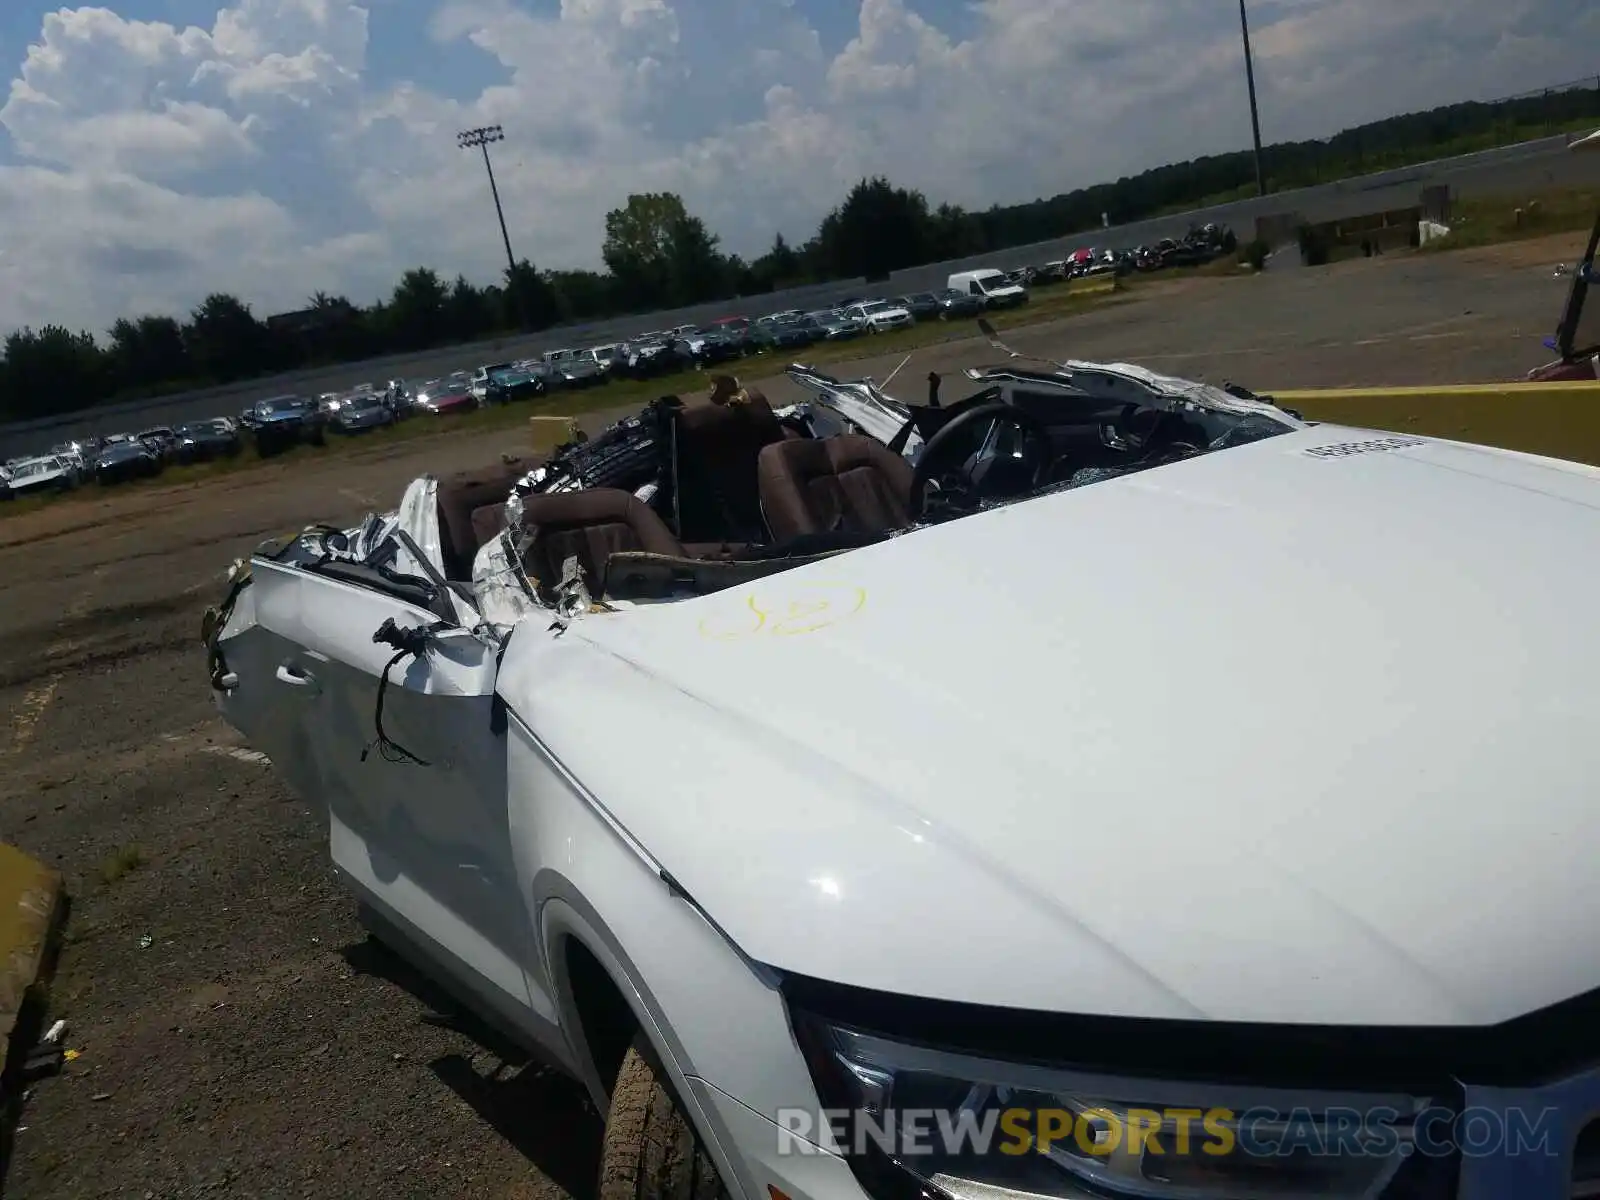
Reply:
x=1528, y=167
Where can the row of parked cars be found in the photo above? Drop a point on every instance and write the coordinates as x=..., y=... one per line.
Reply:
x=276, y=424
x=119, y=457
x=666, y=352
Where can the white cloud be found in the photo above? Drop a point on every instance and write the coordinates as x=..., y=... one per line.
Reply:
x=156, y=164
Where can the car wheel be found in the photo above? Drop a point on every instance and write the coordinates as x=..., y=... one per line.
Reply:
x=651, y=1151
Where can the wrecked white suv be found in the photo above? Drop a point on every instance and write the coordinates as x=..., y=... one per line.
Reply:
x=1142, y=794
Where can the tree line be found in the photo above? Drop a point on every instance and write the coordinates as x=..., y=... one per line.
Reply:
x=659, y=255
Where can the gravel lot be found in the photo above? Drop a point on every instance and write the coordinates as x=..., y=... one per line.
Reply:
x=238, y=1033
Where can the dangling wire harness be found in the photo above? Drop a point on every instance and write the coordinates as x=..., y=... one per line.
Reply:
x=407, y=643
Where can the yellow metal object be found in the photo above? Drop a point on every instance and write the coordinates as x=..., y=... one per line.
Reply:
x=1095, y=285
x=1580, y=387
x=32, y=906
x=1560, y=420
x=551, y=432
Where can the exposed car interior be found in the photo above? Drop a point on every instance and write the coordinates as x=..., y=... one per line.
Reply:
x=686, y=499
x=694, y=498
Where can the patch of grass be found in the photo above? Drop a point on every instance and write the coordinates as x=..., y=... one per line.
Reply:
x=1549, y=420
x=120, y=863
x=1493, y=221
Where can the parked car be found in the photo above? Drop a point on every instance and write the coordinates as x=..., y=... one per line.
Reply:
x=282, y=422
x=991, y=286
x=199, y=441
x=46, y=473
x=606, y=357
x=955, y=305
x=923, y=306
x=651, y=358
x=163, y=437
x=446, y=397
x=361, y=414
x=792, y=333
x=79, y=452
x=736, y=331
x=836, y=326
x=573, y=369
x=479, y=385
x=516, y=381
x=787, y=314
x=879, y=316
x=705, y=347
x=122, y=461
x=5, y=482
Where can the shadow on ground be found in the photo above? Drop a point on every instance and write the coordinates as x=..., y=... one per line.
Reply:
x=546, y=1116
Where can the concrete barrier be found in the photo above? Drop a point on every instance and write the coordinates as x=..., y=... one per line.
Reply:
x=1558, y=420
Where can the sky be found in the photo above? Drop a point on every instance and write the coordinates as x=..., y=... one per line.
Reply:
x=158, y=150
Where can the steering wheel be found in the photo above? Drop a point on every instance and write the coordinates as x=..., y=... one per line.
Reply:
x=1149, y=435
x=1036, y=449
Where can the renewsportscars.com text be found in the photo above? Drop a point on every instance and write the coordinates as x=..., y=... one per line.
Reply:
x=1216, y=1132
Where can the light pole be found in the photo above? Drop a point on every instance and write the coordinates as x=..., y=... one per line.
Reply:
x=1255, y=113
x=479, y=139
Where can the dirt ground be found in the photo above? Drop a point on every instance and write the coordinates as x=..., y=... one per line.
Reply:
x=237, y=1031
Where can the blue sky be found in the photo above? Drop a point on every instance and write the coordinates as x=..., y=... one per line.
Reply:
x=152, y=151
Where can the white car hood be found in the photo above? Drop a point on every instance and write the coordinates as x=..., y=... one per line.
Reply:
x=1298, y=732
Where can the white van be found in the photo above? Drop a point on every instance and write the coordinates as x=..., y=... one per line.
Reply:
x=993, y=286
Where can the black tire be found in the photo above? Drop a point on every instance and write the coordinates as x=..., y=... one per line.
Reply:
x=651, y=1151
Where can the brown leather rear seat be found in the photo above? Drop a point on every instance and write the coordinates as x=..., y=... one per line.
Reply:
x=591, y=525
x=460, y=497
x=845, y=484
x=716, y=447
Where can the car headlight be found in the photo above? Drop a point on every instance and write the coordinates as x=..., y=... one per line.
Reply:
x=917, y=1123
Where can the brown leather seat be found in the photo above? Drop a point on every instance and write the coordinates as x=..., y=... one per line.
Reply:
x=488, y=522
x=715, y=447
x=591, y=525
x=460, y=497
x=846, y=484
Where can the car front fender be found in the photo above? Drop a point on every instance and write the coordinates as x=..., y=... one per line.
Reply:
x=710, y=1012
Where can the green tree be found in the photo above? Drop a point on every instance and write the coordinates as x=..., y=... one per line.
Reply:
x=467, y=314
x=225, y=341
x=417, y=308
x=581, y=295
x=780, y=266
x=878, y=229
x=954, y=233
x=659, y=254
x=147, y=351
x=52, y=371
x=528, y=295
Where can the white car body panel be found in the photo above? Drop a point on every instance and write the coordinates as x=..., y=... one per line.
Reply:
x=1364, y=572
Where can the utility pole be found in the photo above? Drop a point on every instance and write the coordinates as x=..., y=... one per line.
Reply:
x=1255, y=113
x=469, y=139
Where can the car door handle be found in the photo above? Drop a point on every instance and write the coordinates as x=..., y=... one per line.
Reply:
x=295, y=677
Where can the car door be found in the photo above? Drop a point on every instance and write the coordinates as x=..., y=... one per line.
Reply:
x=413, y=772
